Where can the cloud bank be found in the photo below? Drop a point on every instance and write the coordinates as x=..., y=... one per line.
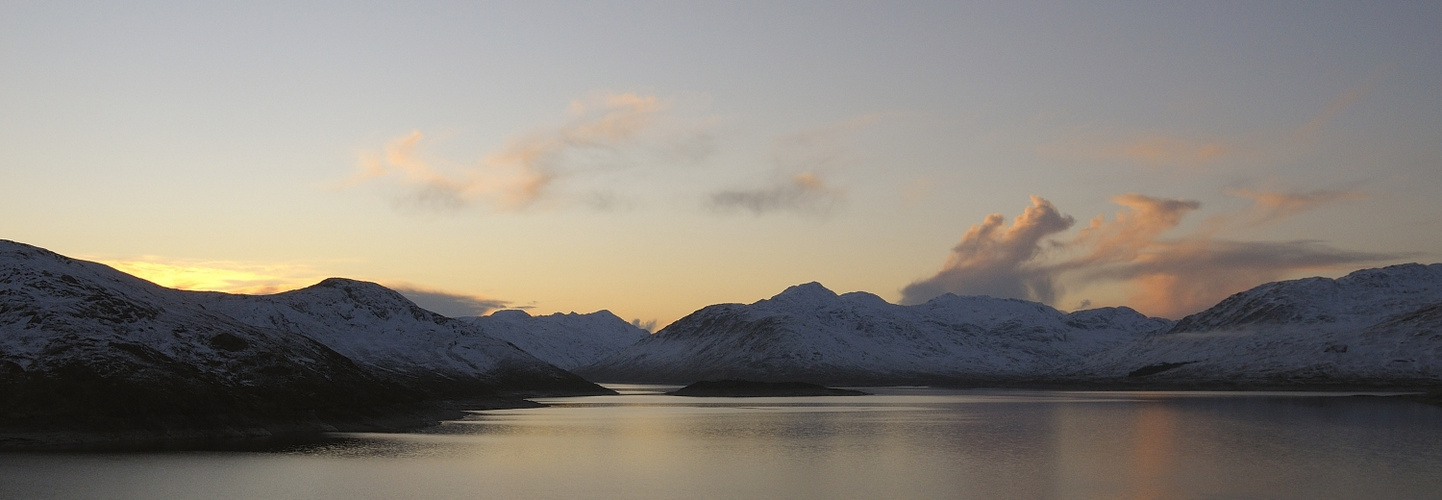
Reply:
x=448, y=303
x=1168, y=277
x=996, y=260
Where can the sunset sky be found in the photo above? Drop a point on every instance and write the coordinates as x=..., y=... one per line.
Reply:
x=652, y=158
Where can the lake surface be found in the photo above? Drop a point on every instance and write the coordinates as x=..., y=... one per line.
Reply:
x=898, y=443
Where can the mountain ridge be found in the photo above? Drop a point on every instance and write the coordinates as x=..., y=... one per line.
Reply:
x=92, y=353
x=86, y=347
x=809, y=333
x=1378, y=327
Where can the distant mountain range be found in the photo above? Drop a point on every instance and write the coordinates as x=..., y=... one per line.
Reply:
x=808, y=333
x=1377, y=328
x=90, y=353
x=567, y=340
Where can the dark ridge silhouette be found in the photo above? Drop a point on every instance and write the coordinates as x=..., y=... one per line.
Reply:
x=750, y=389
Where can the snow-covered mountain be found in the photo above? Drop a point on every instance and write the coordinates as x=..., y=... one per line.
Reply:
x=1372, y=328
x=85, y=346
x=381, y=330
x=1379, y=327
x=568, y=341
x=809, y=333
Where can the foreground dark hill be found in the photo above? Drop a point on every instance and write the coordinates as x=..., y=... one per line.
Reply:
x=750, y=389
x=1371, y=328
x=808, y=333
x=88, y=352
x=85, y=347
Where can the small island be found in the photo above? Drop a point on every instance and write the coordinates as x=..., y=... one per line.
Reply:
x=752, y=389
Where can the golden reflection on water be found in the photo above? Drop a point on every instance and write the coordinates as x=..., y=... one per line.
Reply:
x=1152, y=453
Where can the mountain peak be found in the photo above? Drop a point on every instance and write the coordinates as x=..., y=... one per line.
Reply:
x=17, y=250
x=1392, y=273
x=511, y=314
x=356, y=289
x=806, y=292
x=342, y=283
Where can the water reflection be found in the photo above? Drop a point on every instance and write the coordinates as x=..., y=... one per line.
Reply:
x=898, y=443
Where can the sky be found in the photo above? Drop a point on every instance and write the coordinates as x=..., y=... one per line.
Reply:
x=653, y=158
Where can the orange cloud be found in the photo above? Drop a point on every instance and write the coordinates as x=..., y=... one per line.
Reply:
x=996, y=260
x=1168, y=277
x=1268, y=206
x=1133, y=229
x=1186, y=276
x=520, y=173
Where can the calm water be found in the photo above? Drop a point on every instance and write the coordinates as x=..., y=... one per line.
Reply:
x=899, y=443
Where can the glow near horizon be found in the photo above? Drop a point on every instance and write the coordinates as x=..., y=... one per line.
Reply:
x=652, y=159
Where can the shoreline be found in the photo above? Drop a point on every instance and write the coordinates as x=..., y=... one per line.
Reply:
x=141, y=436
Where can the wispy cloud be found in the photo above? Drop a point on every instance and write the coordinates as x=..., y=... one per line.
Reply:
x=804, y=192
x=1268, y=206
x=1308, y=131
x=1151, y=150
x=1162, y=149
x=1165, y=276
x=448, y=303
x=603, y=129
x=798, y=162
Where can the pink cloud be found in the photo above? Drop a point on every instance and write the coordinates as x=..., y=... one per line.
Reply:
x=1161, y=275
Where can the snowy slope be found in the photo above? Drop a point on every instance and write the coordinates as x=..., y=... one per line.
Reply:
x=1371, y=327
x=568, y=341
x=382, y=330
x=809, y=333
x=83, y=344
